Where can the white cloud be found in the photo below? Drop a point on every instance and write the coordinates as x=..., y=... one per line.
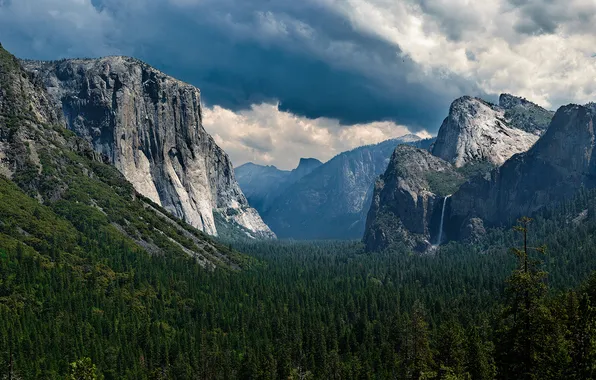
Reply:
x=540, y=49
x=266, y=135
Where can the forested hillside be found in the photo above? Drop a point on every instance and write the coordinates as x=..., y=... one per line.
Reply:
x=303, y=310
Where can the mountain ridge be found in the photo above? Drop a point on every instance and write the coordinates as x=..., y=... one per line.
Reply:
x=474, y=139
x=558, y=166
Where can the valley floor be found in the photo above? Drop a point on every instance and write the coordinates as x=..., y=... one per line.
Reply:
x=323, y=310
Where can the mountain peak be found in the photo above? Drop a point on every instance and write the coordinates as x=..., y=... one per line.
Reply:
x=555, y=168
x=305, y=166
x=308, y=163
x=251, y=164
x=476, y=130
x=509, y=101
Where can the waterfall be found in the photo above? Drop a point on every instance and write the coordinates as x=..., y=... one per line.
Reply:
x=442, y=218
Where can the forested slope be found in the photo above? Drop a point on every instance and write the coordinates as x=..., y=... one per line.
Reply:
x=305, y=310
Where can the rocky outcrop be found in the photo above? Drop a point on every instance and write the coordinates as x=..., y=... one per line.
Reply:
x=305, y=167
x=554, y=169
x=25, y=107
x=477, y=131
x=408, y=200
x=332, y=201
x=149, y=126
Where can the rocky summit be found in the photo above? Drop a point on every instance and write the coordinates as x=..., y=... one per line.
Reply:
x=413, y=205
x=149, y=126
x=476, y=130
x=405, y=208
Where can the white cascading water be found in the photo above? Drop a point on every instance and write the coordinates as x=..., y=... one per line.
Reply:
x=442, y=217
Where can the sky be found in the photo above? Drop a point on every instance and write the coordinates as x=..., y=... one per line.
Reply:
x=284, y=79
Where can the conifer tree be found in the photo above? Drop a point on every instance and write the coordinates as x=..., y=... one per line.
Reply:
x=530, y=342
x=416, y=358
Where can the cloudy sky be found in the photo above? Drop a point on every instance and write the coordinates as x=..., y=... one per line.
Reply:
x=283, y=79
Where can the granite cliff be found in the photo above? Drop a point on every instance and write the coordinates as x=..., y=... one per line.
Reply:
x=474, y=140
x=476, y=131
x=60, y=198
x=149, y=127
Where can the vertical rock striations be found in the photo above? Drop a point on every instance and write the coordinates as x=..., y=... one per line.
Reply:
x=83, y=197
x=149, y=126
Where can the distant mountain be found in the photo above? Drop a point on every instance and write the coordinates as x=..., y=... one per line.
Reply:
x=476, y=130
x=262, y=184
x=331, y=201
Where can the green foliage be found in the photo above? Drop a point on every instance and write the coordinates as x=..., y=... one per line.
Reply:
x=444, y=183
x=320, y=310
x=82, y=369
x=477, y=168
x=531, y=342
x=529, y=118
x=8, y=62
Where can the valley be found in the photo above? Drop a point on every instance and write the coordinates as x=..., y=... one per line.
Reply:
x=131, y=248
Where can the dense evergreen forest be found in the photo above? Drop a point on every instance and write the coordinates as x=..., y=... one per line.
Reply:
x=84, y=304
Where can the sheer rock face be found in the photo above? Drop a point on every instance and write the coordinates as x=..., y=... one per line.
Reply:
x=149, y=126
x=405, y=208
x=479, y=131
x=554, y=169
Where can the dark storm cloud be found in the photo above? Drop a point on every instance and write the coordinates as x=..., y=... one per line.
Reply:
x=245, y=52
